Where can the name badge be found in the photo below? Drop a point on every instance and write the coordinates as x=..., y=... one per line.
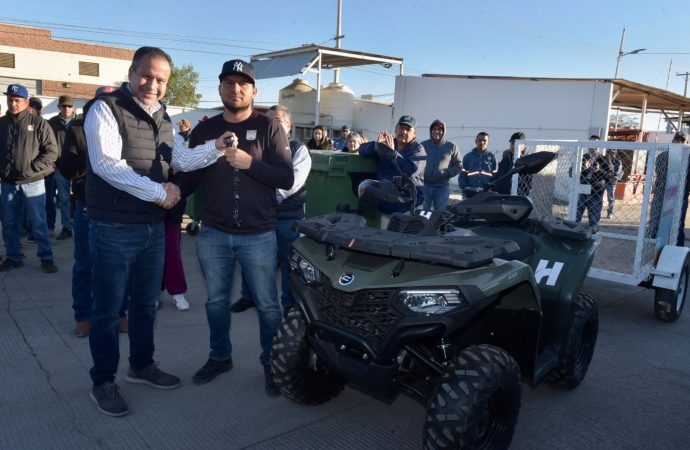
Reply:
x=251, y=135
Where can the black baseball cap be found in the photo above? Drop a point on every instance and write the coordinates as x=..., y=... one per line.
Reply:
x=238, y=67
x=407, y=120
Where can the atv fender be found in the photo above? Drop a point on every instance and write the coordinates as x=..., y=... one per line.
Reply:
x=669, y=267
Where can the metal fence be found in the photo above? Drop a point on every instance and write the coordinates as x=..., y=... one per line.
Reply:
x=632, y=191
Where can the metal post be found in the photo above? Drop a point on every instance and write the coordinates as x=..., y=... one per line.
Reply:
x=317, y=109
x=336, y=72
x=685, y=94
x=642, y=114
x=620, y=55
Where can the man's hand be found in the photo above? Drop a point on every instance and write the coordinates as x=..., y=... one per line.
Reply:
x=385, y=138
x=172, y=196
x=221, y=144
x=238, y=158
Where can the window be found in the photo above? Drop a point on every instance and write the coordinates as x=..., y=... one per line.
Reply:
x=7, y=60
x=88, y=68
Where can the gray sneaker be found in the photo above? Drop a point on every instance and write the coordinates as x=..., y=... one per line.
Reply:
x=109, y=400
x=152, y=376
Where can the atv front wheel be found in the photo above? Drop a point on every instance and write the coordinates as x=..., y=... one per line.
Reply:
x=577, y=351
x=668, y=304
x=296, y=371
x=476, y=405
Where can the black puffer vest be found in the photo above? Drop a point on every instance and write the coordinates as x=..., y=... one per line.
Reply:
x=293, y=206
x=147, y=148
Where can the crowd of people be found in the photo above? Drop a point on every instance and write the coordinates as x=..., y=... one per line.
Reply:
x=128, y=173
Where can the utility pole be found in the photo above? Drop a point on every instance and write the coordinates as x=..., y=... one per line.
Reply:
x=685, y=94
x=621, y=54
x=338, y=36
x=684, y=75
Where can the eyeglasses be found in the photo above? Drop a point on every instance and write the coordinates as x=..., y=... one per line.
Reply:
x=66, y=106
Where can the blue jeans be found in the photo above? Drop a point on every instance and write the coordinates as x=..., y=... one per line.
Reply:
x=593, y=203
x=63, y=189
x=436, y=195
x=82, y=298
x=126, y=259
x=15, y=199
x=218, y=252
x=285, y=236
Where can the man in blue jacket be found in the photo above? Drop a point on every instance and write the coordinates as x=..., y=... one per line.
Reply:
x=479, y=165
x=396, y=157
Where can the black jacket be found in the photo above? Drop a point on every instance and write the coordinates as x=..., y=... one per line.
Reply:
x=57, y=123
x=27, y=148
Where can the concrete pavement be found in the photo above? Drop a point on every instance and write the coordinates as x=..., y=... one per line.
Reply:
x=636, y=395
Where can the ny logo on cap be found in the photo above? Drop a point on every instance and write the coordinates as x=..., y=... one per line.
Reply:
x=237, y=66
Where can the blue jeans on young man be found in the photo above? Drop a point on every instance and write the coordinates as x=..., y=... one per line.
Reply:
x=127, y=260
x=593, y=203
x=218, y=253
x=82, y=298
x=63, y=186
x=436, y=196
x=17, y=198
x=285, y=236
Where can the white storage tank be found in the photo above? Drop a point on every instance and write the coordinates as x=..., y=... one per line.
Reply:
x=300, y=98
x=337, y=106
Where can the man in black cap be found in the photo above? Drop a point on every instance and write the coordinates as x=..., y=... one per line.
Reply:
x=401, y=155
x=239, y=215
x=60, y=124
x=505, y=165
x=340, y=144
x=27, y=154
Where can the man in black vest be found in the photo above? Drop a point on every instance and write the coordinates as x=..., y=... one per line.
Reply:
x=129, y=137
x=290, y=210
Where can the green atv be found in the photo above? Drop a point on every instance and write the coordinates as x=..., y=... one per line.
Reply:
x=454, y=310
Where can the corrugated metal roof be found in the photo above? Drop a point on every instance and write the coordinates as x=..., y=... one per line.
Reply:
x=283, y=66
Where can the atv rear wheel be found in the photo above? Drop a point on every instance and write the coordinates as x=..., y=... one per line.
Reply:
x=668, y=304
x=476, y=405
x=577, y=351
x=296, y=371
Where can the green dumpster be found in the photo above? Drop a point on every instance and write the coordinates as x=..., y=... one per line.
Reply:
x=194, y=209
x=334, y=178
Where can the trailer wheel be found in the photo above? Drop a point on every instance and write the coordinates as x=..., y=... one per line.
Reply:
x=192, y=228
x=476, y=405
x=577, y=351
x=296, y=371
x=668, y=304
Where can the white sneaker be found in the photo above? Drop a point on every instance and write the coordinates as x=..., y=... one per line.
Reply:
x=180, y=302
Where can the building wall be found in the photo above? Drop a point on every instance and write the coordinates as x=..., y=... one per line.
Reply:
x=542, y=109
x=51, y=67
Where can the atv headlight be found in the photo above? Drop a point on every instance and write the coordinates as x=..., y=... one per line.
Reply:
x=303, y=267
x=432, y=301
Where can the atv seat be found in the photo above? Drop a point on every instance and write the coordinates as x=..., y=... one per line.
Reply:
x=523, y=239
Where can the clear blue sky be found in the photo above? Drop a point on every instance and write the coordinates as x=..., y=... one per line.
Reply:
x=470, y=37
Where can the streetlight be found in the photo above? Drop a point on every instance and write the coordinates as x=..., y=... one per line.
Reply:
x=621, y=54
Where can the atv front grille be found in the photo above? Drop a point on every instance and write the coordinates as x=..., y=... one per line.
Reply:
x=367, y=314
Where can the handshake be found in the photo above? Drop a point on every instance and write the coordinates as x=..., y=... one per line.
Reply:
x=172, y=196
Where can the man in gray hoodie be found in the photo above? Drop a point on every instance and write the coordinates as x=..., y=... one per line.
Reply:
x=443, y=162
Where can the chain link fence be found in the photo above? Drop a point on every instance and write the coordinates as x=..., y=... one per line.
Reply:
x=631, y=191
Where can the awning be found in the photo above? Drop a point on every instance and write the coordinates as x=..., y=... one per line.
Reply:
x=285, y=66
